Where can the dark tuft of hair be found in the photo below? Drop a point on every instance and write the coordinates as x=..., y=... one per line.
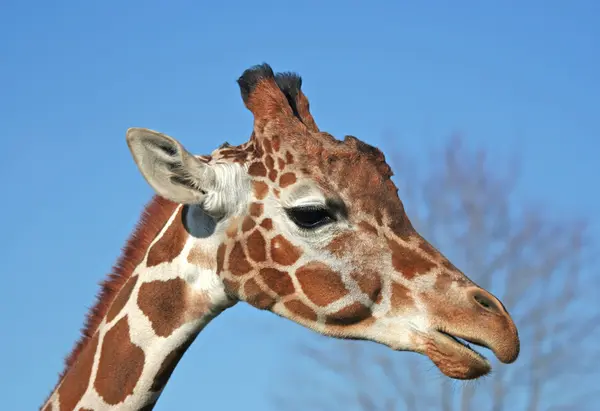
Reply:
x=251, y=77
x=290, y=84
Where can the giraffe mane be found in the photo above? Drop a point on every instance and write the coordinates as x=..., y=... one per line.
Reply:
x=152, y=220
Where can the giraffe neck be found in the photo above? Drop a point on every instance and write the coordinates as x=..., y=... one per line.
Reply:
x=155, y=314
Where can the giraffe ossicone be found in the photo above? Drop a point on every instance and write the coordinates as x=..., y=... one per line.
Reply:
x=293, y=221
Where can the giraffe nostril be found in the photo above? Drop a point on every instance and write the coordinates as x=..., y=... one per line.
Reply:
x=486, y=302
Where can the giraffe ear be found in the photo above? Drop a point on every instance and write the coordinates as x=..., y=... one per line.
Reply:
x=169, y=168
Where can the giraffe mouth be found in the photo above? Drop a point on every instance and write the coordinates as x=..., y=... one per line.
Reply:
x=455, y=356
x=464, y=342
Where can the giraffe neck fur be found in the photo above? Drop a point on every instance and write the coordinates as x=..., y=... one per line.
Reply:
x=197, y=296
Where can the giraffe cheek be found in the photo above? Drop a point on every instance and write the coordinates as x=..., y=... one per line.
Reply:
x=283, y=252
x=278, y=281
x=320, y=284
x=257, y=247
x=341, y=245
x=255, y=296
x=369, y=283
x=349, y=315
x=238, y=263
x=302, y=311
x=231, y=287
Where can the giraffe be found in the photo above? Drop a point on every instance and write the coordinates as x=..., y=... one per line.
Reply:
x=294, y=222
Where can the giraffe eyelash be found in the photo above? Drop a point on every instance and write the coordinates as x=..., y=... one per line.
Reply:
x=310, y=217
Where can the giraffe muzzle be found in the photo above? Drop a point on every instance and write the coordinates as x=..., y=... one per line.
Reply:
x=481, y=320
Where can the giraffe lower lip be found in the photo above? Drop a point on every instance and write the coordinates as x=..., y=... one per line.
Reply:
x=455, y=357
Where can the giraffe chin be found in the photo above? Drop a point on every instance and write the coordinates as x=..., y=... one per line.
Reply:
x=455, y=358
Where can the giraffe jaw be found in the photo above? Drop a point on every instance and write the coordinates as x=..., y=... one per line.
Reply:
x=454, y=356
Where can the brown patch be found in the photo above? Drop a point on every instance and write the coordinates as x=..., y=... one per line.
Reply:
x=120, y=366
x=289, y=158
x=256, y=296
x=273, y=175
x=349, y=315
x=363, y=225
x=378, y=217
x=256, y=209
x=168, y=366
x=221, y=257
x=170, y=245
x=267, y=224
x=340, y=245
x=77, y=379
x=320, y=284
x=260, y=189
x=300, y=309
x=257, y=247
x=276, y=192
x=152, y=220
x=278, y=281
x=287, y=179
x=163, y=302
x=248, y=224
x=280, y=163
x=269, y=162
x=368, y=282
x=121, y=299
x=408, y=262
x=48, y=407
x=283, y=252
x=276, y=141
x=200, y=258
x=257, y=169
x=266, y=143
x=400, y=296
x=238, y=264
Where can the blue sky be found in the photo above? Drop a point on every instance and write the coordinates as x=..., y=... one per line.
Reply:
x=517, y=77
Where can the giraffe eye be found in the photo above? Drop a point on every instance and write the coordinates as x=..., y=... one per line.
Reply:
x=309, y=217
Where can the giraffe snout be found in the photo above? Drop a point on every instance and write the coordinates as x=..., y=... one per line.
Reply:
x=497, y=328
x=469, y=315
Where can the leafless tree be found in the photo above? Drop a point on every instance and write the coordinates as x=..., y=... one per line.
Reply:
x=540, y=266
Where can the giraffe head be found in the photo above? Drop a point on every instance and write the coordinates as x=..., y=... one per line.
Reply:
x=312, y=229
